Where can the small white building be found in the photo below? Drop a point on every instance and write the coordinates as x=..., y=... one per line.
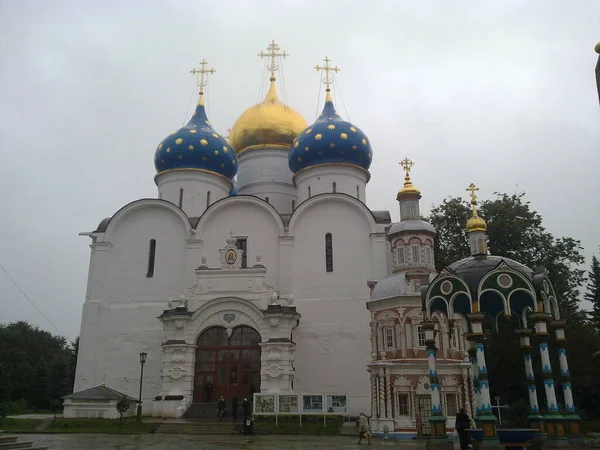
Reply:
x=99, y=402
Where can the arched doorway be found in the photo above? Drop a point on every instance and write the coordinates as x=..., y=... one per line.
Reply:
x=227, y=365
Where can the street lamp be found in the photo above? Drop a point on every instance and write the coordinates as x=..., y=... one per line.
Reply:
x=139, y=409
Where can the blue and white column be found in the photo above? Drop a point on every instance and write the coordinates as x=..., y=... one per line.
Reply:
x=553, y=420
x=437, y=418
x=476, y=387
x=534, y=408
x=485, y=416
x=571, y=416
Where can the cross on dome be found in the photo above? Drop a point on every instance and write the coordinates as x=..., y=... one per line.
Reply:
x=472, y=188
x=407, y=165
x=203, y=71
x=327, y=78
x=272, y=53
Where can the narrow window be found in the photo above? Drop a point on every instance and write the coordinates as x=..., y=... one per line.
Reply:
x=309, y=194
x=454, y=339
x=420, y=336
x=357, y=193
x=151, y=256
x=180, y=197
x=328, y=253
x=428, y=254
x=416, y=284
x=389, y=338
x=334, y=187
x=451, y=407
x=415, y=254
x=293, y=205
x=403, y=404
x=267, y=199
x=207, y=199
x=242, y=244
x=400, y=255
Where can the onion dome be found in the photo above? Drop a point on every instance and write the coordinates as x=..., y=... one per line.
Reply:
x=475, y=223
x=196, y=146
x=330, y=140
x=269, y=124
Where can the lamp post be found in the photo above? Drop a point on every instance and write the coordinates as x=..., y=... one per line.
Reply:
x=139, y=408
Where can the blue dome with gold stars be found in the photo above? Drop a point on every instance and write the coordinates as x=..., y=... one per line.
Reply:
x=196, y=146
x=330, y=140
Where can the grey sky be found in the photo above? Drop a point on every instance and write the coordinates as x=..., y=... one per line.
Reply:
x=500, y=93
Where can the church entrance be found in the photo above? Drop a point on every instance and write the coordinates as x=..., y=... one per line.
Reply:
x=227, y=366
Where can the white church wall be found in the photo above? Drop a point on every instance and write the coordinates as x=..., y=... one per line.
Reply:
x=264, y=172
x=119, y=315
x=332, y=338
x=192, y=190
x=247, y=217
x=320, y=179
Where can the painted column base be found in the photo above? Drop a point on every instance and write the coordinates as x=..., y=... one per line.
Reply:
x=378, y=424
x=438, y=428
x=555, y=429
x=573, y=430
x=487, y=422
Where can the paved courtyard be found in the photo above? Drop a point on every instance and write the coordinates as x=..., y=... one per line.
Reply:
x=178, y=442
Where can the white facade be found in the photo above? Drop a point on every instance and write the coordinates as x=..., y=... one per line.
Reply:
x=327, y=348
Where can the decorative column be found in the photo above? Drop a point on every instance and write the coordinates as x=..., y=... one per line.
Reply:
x=467, y=397
x=373, y=394
x=388, y=395
x=485, y=416
x=554, y=421
x=535, y=418
x=437, y=419
x=381, y=395
x=571, y=416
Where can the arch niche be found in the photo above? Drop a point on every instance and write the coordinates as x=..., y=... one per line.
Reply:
x=227, y=363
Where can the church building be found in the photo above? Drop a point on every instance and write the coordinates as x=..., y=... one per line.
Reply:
x=250, y=271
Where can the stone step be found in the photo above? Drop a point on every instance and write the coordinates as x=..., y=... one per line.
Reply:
x=4, y=439
x=15, y=445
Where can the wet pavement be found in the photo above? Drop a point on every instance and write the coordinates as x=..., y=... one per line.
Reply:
x=181, y=442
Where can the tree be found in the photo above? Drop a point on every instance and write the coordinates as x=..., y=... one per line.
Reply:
x=593, y=293
x=122, y=407
x=40, y=396
x=514, y=231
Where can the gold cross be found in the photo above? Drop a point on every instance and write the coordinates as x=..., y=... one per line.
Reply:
x=273, y=48
x=472, y=188
x=327, y=78
x=202, y=81
x=407, y=165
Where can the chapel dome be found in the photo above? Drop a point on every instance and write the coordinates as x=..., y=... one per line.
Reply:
x=474, y=268
x=196, y=146
x=330, y=140
x=476, y=223
x=268, y=124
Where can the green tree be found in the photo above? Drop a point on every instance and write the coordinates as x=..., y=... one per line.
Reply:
x=593, y=292
x=122, y=407
x=40, y=395
x=5, y=387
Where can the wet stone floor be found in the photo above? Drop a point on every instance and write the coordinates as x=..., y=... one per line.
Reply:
x=183, y=442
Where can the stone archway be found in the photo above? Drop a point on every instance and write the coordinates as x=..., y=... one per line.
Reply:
x=227, y=363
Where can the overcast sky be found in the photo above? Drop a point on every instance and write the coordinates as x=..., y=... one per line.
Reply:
x=500, y=93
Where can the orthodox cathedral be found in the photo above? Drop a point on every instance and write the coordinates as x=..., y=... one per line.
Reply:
x=260, y=271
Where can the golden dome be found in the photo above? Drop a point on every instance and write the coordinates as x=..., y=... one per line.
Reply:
x=597, y=47
x=268, y=124
x=476, y=223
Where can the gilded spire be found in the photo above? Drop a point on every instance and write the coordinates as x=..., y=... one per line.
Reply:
x=327, y=77
x=272, y=53
x=475, y=223
x=408, y=186
x=202, y=79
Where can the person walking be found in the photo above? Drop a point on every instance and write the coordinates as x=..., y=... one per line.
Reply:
x=234, y=408
x=221, y=409
x=246, y=408
x=363, y=428
x=461, y=425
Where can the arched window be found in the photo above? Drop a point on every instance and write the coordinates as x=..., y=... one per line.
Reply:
x=151, y=257
x=309, y=193
x=357, y=193
x=334, y=187
x=207, y=199
x=328, y=252
x=293, y=205
x=180, y=197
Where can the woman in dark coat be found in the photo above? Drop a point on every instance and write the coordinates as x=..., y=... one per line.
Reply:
x=462, y=425
x=221, y=409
